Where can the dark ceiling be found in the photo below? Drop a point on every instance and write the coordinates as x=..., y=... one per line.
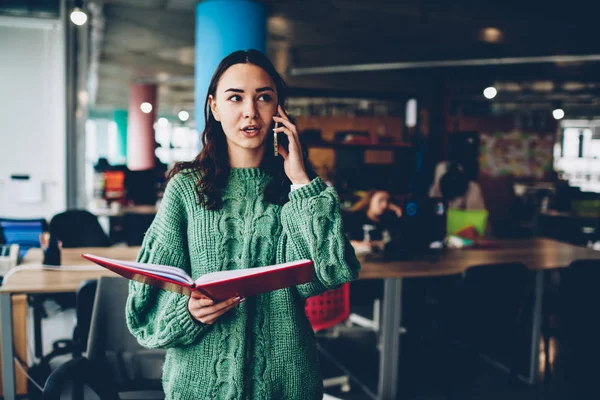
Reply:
x=153, y=41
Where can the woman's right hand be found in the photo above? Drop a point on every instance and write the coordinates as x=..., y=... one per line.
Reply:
x=205, y=310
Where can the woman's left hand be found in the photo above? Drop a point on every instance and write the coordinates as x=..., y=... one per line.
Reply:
x=293, y=164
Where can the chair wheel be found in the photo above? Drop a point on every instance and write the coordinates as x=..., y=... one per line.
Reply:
x=345, y=388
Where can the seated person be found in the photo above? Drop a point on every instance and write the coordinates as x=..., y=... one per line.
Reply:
x=451, y=184
x=371, y=221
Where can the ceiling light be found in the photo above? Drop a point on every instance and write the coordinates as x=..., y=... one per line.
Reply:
x=491, y=35
x=490, y=92
x=183, y=115
x=411, y=113
x=558, y=113
x=146, y=107
x=78, y=16
x=162, y=121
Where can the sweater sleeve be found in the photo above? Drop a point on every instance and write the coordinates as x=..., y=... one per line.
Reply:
x=156, y=317
x=313, y=229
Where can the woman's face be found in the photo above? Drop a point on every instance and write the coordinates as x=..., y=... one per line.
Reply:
x=379, y=203
x=245, y=103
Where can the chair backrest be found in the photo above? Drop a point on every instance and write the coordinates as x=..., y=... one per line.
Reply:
x=78, y=228
x=579, y=297
x=86, y=293
x=328, y=309
x=135, y=226
x=110, y=342
x=24, y=232
x=496, y=310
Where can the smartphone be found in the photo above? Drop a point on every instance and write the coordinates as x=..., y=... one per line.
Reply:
x=279, y=138
x=276, y=140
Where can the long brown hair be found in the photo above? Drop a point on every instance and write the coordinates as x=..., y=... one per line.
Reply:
x=212, y=163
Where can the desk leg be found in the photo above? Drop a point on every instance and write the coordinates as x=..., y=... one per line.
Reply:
x=37, y=325
x=8, y=365
x=390, y=343
x=536, y=328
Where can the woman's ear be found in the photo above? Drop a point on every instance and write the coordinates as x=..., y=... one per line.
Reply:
x=213, y=107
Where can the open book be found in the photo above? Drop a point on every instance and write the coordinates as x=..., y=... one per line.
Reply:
x=217, y=286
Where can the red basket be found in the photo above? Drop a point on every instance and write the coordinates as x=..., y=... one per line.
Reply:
x=328, y=309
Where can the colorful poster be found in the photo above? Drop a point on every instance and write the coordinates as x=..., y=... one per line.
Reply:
x=519, y=154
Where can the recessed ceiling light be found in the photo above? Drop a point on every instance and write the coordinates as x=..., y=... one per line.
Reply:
x=558, y=113
x=78, y=16
x=183, y=115
x=490, y=92
x=146, y=107
x=491, y=35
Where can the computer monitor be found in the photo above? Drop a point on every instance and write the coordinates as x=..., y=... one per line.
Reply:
x=422, y=228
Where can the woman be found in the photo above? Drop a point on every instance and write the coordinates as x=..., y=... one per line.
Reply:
x=372, y=221
x=229, y=209
x=451, y=183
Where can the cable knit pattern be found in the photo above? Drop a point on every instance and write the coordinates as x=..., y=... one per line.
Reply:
x=264, y=348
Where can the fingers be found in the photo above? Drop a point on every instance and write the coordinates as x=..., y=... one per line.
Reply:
x=282, y=113
x=286, y=123
x=205, y=311
x=210, y=319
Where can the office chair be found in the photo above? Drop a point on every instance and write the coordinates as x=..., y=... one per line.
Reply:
x=24, y=232
x=576, y=326
x=78, y=228
x=114, y=363
x=135, y=226
x=326, y=311
x=493, y=313
x=75, y=347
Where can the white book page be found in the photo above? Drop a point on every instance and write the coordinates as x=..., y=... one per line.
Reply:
x=173, y=273
x=225, y=275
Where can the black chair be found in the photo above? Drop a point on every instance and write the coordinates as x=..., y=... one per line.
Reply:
x=494, y=314
x=78, y=228
x=135, y=226
x=41, y=371
x=115, y=362
x=577, y=327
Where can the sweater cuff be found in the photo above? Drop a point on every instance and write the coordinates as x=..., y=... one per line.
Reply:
x=314, y=188
x=189, y=326
x=295, y=186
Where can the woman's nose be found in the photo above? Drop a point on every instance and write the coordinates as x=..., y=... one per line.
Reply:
x=250, y=109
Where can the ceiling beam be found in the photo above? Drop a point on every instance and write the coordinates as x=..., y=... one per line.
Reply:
x=332, y=69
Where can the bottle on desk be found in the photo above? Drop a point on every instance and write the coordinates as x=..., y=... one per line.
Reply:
x=51, y=248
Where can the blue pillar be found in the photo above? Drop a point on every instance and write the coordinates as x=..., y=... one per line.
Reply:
x=222, y=27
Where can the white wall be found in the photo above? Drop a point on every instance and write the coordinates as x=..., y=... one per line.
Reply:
x=32, y=114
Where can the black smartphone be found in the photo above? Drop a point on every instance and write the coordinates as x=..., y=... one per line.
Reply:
x=279, y=138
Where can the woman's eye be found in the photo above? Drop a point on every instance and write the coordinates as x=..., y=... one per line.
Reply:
x=264, y=97
x=235, y=98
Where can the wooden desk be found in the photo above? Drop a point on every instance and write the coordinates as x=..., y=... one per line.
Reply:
x=19, y=327
x=537, y=254
x=30, y=278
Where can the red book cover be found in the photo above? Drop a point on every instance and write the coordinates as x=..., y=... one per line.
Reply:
x=218, y=286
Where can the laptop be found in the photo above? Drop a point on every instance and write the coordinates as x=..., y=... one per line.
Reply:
x=421, y=230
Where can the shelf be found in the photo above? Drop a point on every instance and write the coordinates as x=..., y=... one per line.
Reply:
x=372, y=146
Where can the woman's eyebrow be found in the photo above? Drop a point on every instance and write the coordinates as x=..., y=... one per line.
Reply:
x=261, y=89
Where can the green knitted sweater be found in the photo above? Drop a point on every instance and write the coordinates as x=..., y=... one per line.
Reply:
x=264, y=348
